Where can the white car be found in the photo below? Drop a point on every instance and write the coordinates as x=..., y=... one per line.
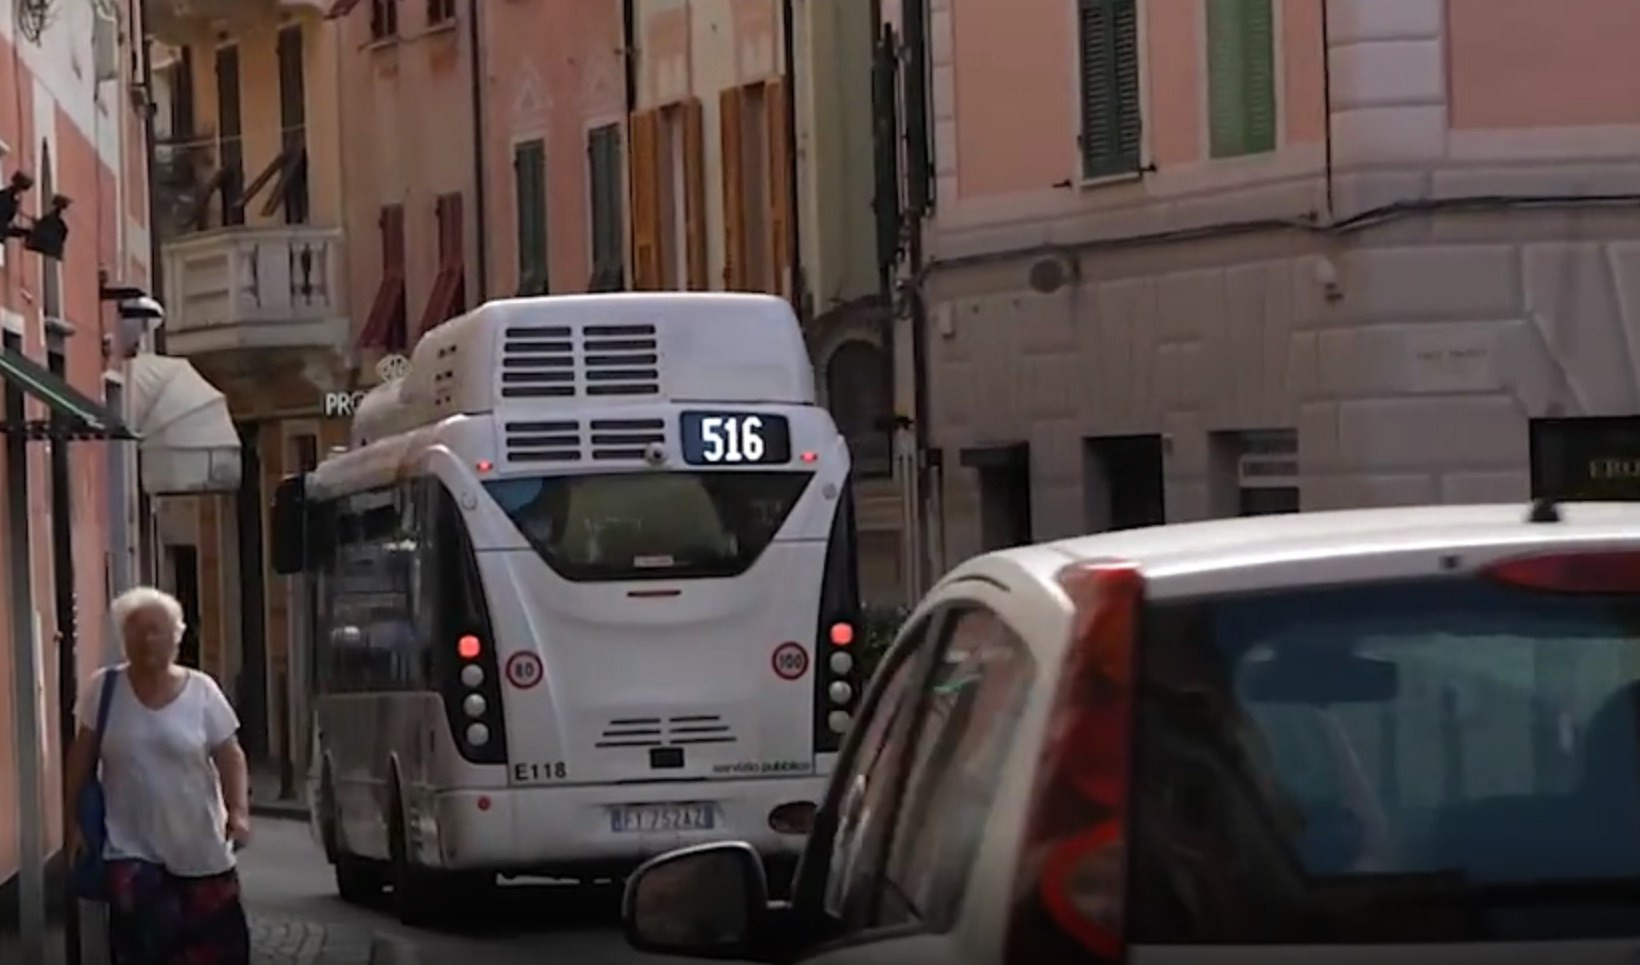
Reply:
x=1398, y=731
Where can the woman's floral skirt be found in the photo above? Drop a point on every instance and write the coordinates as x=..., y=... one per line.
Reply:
x=158, y=918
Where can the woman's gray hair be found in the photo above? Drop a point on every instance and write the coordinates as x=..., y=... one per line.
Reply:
x=149, y=597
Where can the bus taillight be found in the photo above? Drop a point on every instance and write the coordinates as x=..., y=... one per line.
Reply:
x=837, y=675
x=468, y=647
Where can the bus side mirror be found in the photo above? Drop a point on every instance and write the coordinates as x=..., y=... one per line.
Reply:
x=289, y=525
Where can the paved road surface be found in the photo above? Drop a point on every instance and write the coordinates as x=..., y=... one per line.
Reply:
x=297, y=919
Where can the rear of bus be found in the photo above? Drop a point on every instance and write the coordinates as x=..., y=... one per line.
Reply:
x=1440, y=757
x=672, y=590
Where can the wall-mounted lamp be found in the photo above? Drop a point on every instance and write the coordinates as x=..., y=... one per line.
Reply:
x=11, y=201
x=48, y=236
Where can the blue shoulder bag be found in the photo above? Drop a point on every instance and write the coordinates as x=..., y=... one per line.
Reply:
x=88, y=876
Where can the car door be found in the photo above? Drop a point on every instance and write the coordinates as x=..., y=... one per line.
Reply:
x=908, y=833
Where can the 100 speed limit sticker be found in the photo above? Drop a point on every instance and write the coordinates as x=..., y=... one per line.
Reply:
x=790, y=661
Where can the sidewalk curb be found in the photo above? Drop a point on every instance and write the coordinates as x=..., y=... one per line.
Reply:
x=389, y=950
x=283, y=810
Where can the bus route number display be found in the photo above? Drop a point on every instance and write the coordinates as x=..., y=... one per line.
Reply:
x=735, y=439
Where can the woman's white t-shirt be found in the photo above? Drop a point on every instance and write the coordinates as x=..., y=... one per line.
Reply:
x=164, y=796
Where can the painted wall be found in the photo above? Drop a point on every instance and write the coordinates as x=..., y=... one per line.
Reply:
x=52, y=106
x=553, y=71
x=1409, y=354
x=835, y=155
x=406, y=106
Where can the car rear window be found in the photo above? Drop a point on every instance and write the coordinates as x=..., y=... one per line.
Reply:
x=1437, y=760
x=650, y=525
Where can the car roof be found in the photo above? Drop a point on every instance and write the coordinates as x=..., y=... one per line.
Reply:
x=1265, y=542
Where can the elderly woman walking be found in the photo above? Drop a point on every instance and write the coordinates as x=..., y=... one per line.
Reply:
x=177, y=802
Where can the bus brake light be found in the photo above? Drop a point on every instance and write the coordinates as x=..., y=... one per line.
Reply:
x=468, y=647
x=841, y=634
x=810, y=457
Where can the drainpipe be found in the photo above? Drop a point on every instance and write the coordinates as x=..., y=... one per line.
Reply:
x=915, y=36
x=1327, y=106
x=629, y=52
x=25, y=707
x=147, y=537
x=794, y=195
x=481, y=219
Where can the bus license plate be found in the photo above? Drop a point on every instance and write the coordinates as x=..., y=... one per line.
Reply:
x=663, y=817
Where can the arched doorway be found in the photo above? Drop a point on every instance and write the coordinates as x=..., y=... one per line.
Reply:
x=856, y=381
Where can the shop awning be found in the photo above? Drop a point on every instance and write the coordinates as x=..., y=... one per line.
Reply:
x=189, y=443
x=74, y=415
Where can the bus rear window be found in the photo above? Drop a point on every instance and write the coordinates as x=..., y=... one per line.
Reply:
x=1427, y=761
x=651, y=525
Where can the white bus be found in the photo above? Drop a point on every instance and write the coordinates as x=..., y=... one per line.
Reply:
x=583, y=590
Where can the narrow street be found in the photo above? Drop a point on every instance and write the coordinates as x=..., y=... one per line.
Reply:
x=297, y=919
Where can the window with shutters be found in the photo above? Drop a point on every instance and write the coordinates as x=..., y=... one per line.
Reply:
x=756, y=162
x=1108, y=42
x=754, y=181
x=1241, y=77
x=673, y=225
x=530, y=215
x=448, y=297
x=606, y=206
x=441, y=12
x=384, y=19
x=388, y=325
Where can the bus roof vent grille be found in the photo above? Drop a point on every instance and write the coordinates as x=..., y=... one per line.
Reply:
x=620, y=360
x=537, y=362
x=558, y=440
x=625, y=440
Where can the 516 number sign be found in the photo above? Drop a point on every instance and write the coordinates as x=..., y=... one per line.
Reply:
x=735, y=439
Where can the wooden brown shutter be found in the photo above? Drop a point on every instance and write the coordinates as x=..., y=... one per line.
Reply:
x=778, y=126
x=734, y=198
x=694, y=198
x=646, y=252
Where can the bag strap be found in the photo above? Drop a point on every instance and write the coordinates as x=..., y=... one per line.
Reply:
x=110, y=677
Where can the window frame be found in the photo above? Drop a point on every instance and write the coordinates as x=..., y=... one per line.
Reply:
x=918, y=650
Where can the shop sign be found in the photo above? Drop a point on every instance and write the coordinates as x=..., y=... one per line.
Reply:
x=344, y=405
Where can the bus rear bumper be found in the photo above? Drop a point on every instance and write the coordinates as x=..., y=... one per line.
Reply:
x=570, y=831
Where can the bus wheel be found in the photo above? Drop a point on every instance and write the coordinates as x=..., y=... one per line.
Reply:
x=415, y=889
x=359, y=881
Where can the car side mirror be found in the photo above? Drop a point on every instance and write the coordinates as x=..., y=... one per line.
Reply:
x=708, y=901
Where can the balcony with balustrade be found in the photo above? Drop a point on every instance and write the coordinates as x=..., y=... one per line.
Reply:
x=182, y=21
x=269, y=287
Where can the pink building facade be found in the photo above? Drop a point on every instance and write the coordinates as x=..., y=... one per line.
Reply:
x=66, y=119
x=469, y=180
x=1192, y=258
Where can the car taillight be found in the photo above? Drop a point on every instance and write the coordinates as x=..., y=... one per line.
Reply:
x=1594, y=572
x=1071, y=881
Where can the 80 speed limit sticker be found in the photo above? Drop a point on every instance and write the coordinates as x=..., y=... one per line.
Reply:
x=523, y=670
x=790, y=661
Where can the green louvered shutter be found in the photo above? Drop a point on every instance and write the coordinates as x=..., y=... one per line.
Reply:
x=1108, y=33
x=1241, y=77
